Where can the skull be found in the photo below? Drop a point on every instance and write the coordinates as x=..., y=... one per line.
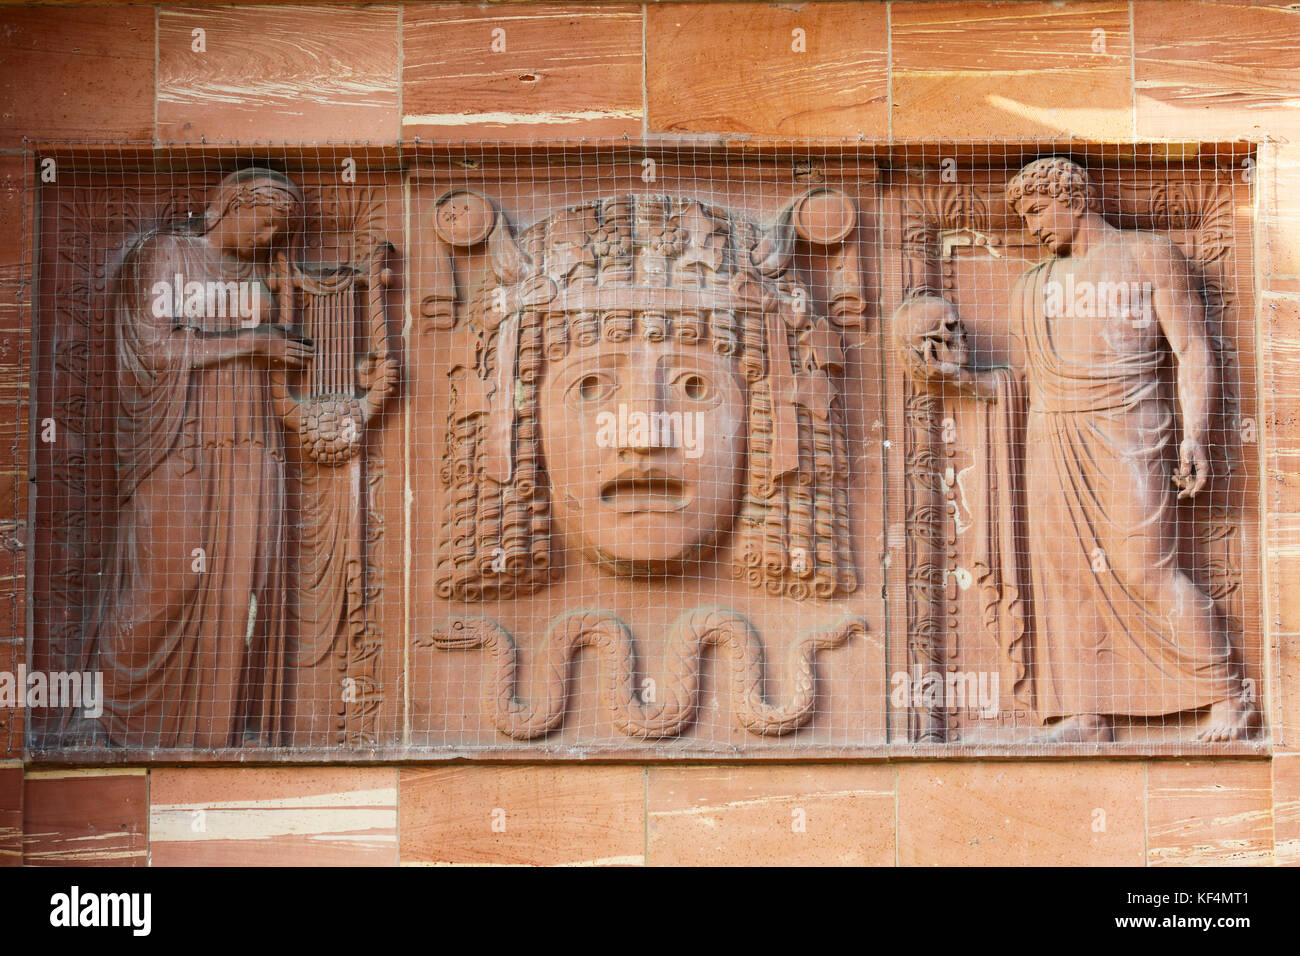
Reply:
x=929, y=332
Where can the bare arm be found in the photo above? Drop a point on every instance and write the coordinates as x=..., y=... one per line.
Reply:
x=982, y=383
x=978, y=382
x=161, y=337
x=214, y=348
x=274, y=343
x=1180, y=311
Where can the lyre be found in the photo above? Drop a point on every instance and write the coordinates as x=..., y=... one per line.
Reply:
x=342, y=387
x=344, y=384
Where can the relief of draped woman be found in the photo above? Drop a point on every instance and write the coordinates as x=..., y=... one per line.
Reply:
x=190, y=622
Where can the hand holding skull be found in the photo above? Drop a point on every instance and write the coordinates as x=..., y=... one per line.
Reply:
x=929, y=334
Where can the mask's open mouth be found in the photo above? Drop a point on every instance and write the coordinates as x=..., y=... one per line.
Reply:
x=657, y=493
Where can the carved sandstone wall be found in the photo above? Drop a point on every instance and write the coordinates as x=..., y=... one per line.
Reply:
x=1146, y=76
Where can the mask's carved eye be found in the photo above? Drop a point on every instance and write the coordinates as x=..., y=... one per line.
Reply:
x=693, y=386
x=592, y=387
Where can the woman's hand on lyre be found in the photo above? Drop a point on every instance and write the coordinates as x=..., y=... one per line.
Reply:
x=377, y=376
x=281, y=348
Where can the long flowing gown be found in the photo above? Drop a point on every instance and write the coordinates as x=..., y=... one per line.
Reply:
x=191, y=619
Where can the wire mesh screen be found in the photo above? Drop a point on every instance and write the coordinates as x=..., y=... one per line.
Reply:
x=574, y=449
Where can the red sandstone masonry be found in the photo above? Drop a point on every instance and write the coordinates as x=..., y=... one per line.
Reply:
x=278, y=74
x=990, y=70
x=85, y=818
x=1209, y=813
x=285, y=816
x=540, y=815
x=1001, y=814
x=11, y=814
x=820, y=70
x=1204, y=71
x=96, y=70
x=521, y=72
x=751, y=816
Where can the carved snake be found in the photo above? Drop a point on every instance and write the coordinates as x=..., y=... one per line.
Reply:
x=636, y=717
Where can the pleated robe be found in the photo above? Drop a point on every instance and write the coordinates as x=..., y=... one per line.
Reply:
x=1098, y=453
x=190, y=624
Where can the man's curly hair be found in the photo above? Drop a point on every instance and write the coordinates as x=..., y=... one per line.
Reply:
x=1057, y=178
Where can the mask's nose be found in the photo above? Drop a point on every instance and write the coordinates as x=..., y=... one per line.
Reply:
x=647, y=396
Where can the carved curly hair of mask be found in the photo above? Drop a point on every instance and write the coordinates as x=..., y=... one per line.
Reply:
x=792, y=539
x=497, y=539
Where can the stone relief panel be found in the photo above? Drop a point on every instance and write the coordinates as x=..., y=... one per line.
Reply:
x=1075, y=392
x=219, y=352
x=647, y=453
x=655, y=410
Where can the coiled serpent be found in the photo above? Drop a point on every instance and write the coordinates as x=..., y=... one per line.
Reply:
x=636, y=717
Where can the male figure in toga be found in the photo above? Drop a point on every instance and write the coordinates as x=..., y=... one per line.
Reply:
x=1121, y=628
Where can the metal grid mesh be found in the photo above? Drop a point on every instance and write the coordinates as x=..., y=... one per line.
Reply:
x=761, y=450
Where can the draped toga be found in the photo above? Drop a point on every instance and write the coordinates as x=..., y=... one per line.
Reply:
x=1100, y=501
x=191, y=615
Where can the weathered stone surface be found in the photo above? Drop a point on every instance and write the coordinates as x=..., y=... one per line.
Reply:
x=531, y=815
x=1016, y=70
x=1279, y=210
x=811, y=70
x=1286, y=810
x=289, y=816
x=993, y=814
x=645, y=433
x=1211, y=70
x=771, y=816
x=11, y=813
x=322, y=73
x=1210, y=813
x=76, y=73
x=85, y=818
x=541, y=71
x=977, y=72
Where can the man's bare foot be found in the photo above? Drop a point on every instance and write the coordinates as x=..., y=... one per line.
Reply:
x=1081, y=729
x=1230, y=719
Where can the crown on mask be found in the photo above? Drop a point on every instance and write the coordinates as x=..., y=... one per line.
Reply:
x=647, y=254
x=654, y=265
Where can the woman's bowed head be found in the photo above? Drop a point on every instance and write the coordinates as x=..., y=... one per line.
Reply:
x=254, y=218
x=254, y=213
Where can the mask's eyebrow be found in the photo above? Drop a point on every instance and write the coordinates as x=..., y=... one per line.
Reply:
x=573, y=365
